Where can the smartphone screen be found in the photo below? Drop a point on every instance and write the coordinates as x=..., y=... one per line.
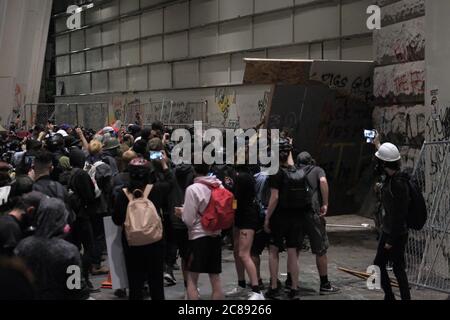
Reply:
x=156, y=155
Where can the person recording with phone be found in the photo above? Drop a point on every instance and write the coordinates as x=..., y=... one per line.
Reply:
x=395, y=199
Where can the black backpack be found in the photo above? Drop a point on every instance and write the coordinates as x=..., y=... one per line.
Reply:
x=296, y=192
x=417, y=208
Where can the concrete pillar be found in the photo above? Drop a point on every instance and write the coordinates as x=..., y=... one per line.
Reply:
x=399, y=81
x=24, y=28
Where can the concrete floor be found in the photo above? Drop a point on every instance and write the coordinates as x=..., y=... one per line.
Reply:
x=350, y=247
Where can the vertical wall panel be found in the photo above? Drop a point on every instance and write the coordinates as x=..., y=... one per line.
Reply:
x=316, y=23
x=215, y=70
x=357, y=49
x=160, y=76
x=62, y=44
x=354, y=17
x=128, y=6
x=138, y=79
x=62, y=65
x=176, y=46
x=235, y=35
x=77, y=62
x=331, y=50
x=93, y=37
x=110, y=33
x=77, y=40
x=273, y=29
x=94, y=59
x=292, y=52
x=152, y=23
x=99, y=82
x=268, y=5
x=110, y=10
x=204, y=11
x=111, y=57
x=230, y=9
x=148, y=3
x=117, y=80
x=152, y=49
x=129, y=53
x=185, y=74
x=129, y=28
x=203, y=41
x=315, y=51
x=176, y=17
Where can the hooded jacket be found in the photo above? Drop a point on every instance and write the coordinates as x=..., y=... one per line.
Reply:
x=48, y=256
x=195, y=202
x=395, y=198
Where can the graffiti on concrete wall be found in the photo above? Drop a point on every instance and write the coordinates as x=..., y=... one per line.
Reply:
x=263, y=104
x=400, y=42
x=400, y=82
x=401, y=125
x=224, y=98
x=438, y=124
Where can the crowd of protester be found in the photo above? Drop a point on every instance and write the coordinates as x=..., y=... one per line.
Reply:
x=58, y=183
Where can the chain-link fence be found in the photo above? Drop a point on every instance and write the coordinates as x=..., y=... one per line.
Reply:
x=428, y=250
x=88, y=115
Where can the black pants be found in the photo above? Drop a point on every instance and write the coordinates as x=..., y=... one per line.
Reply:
x=99, y=238
x=84, y=236
x=396, y=255
x=170, y=247
x=145, y=263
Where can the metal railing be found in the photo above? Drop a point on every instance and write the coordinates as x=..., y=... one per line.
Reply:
x=97, y=115
x=428, y=250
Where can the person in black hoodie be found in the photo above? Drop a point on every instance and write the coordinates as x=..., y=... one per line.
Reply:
x=82, y=199
x=49, y=257
x=144, y=262
x=184, y=174
x=394, y=237
x=43, y=182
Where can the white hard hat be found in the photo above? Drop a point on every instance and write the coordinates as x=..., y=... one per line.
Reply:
x=62, y=132
x=388, y=152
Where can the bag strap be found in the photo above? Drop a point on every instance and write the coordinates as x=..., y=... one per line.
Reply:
x=147, y=190
x=128, y=195
x=145, y=195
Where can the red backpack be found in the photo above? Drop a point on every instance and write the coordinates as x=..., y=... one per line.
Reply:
x=219, y=214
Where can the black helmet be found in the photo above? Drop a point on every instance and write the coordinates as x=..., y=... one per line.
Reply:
x=55, y=142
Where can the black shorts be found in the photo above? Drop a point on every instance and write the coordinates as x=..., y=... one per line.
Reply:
x=247, y=218
x=285, y=232
x=315, y=228
x=181, y=238
x=205, y=255
x=260, y=242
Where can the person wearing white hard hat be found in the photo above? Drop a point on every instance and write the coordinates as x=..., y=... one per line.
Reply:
x=394, y=236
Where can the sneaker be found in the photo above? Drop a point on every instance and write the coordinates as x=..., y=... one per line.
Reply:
x=274, y=294
x=328, y=289
x=294, y=294
x=235, y=292
x=99, y=270
x=256, y=296
x=169, y=279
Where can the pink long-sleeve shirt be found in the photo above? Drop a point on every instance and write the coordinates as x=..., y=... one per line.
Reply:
x=195, y=202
